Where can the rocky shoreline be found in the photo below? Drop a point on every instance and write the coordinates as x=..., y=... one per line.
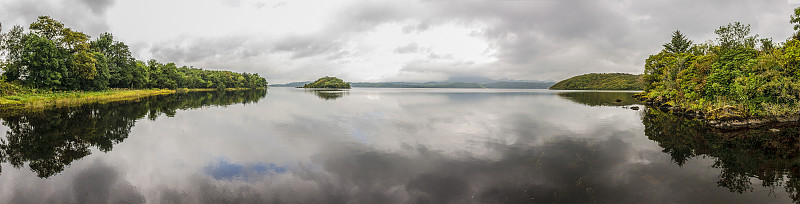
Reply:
x=726, y=118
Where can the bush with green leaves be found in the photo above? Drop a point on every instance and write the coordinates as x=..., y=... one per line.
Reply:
x=52, y=56
x=737, y=72
x=328, y=82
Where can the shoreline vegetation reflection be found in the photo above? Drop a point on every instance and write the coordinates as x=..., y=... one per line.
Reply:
x=768, y=154
x=49, y=140
x=328, y=94
x=385, y=154
x=606, y=98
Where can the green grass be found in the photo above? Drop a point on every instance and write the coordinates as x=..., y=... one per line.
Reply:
x=38, y=99
x=15, y=97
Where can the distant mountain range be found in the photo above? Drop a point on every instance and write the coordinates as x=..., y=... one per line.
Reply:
x=454, y=82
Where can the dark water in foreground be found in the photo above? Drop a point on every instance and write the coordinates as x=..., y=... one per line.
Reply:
x=388, y=146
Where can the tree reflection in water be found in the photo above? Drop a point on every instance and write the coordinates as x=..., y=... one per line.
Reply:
x=594, y=98
x=328, y=94
x=49, y=140
x=769, y=154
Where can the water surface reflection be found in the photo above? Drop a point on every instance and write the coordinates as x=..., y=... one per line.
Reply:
x=390, y=146
x=768, y=155
x=49, y=140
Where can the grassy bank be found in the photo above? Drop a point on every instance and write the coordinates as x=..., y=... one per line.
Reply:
x=38, y=99
x=17, y=97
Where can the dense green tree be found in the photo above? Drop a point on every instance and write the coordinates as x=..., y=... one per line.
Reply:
x=735, y=36
x=53, y=56
x=795, y=19
x=48, y=28
x=731, y=78
x=83, y=68
x=328, y=82
x=121, y=64
x=45, y=64
x=598, y=81
x=13, y=44
x=100, y=81
x=140, y=75
x=678, y=44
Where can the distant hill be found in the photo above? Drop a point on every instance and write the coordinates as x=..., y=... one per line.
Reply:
x=293, y=84
x=418, y=85
x=601, y=81
x=519, y=85
x=492, y=85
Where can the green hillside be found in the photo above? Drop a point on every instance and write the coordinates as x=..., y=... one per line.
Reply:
x=600, y=81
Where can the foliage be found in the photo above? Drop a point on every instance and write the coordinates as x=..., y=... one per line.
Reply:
x=795, y=19
x=679, y=43
x=598, y=81
x=328, y=82
x=729, y=78
x=7, y=88
x=52, y=56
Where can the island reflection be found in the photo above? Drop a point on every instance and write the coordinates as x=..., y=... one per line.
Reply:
x=389, y=146
x=606, y=98
x=51, y=139
x=328, y=94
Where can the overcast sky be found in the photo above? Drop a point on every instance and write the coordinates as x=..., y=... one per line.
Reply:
x=404, y=40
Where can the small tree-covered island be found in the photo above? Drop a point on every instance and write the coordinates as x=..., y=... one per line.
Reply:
x=53, y=64
x=737, y=81
x=329, y=83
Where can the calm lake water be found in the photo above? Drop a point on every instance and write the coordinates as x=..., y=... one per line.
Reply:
x=375, y=145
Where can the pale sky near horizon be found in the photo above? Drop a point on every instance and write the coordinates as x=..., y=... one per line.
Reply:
x=403, y=40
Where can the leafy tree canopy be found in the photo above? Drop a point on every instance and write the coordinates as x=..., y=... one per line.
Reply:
x=600, y=81
x=737, y=76
x=678, y=44
x=328, y=82
x=53, y=56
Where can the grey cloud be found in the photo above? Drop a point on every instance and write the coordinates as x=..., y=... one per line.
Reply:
x=419, y=27
x=99, y=183
x=364, y=16
x=232, y=3
x=436, y=56
x=103, y=184
x=309, y=46
x=196, y=49
x=279, y=4
x=410, y=48
x=98, y=7
x=542, y=40
x=546, y=173
x=81, y=18
x=559, y=39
